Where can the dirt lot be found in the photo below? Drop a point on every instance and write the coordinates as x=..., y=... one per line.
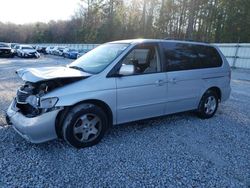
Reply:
x=176, y=150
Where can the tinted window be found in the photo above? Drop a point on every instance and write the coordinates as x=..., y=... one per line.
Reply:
x=180, y=56
x=208, y=56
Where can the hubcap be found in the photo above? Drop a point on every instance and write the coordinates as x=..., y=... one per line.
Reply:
x=210, y=105
x=87, y=127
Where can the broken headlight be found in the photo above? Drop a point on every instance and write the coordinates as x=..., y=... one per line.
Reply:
x=33, y=101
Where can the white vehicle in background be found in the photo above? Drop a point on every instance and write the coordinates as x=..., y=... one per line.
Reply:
x=49, y=49
x=27, y=51
x=15, y=48
x=58, y=50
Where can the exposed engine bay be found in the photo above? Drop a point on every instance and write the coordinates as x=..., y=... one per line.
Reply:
x=38, y=82
x=28, y=95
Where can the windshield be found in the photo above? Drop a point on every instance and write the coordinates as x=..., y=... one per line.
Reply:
x=99, y=58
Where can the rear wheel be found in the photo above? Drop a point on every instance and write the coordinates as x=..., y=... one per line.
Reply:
x=208, y=105
x=85, y=125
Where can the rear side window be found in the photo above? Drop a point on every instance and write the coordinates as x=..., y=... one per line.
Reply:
x=208, y=56
x=180, y=56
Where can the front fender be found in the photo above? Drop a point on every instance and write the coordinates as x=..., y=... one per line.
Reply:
x=106, y=96
x=92, y=88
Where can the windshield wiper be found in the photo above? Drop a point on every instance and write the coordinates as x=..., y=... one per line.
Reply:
x=77, y=68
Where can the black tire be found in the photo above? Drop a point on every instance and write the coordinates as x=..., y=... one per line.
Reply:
x=73, y=118
x=203, y=112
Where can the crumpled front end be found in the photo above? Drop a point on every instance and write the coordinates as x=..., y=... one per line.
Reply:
x=32, y=114
x=36, y=129
x=31, y=117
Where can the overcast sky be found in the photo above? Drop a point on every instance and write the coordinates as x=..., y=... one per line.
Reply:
x=28, y=11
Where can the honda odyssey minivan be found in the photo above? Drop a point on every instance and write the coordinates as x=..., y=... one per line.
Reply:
x=115, y=83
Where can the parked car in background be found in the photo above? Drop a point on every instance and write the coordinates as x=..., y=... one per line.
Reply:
x=27, y=51
x=6, y=51
x=70, y=53
x=15, y=48
x=49, y=49
x=12, y=45
x=58, y=50
x=82, y=52
x=41, y=49
x=115, y=83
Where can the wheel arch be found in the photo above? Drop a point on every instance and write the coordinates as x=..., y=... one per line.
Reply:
x=216, y=89
x=63, y=113
x=200, y=110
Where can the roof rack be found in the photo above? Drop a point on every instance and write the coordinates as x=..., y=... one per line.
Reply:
x=188, y=40
x=169, y=38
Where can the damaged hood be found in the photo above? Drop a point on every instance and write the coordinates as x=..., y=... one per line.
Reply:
x=48, y=73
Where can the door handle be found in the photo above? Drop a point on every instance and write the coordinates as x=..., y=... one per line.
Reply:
x=159, y=82
x=173, y=80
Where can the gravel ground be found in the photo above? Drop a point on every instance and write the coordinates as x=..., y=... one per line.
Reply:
x=174, y=151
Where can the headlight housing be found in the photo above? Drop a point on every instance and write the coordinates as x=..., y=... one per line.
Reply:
x=33, y=101
x=48, y=103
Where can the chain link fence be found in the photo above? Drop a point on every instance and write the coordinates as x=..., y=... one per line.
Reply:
x=238, y=55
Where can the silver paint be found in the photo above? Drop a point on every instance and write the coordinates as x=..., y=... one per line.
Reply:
x=130, y=98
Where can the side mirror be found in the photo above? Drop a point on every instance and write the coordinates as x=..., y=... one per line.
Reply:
x=126, y=70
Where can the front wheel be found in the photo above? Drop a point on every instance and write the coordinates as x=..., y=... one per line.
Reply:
x=208, y=105
x=85, y=125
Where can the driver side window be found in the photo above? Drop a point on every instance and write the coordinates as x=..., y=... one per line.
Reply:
x=145, y=59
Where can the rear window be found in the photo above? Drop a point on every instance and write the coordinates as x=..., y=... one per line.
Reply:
x=180, y=56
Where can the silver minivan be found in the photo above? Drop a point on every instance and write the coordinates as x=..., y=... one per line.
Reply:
x=115, y=83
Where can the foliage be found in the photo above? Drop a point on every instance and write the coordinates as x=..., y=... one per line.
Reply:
x=98, y=21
